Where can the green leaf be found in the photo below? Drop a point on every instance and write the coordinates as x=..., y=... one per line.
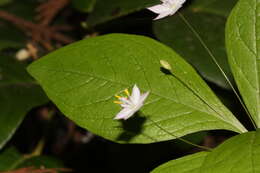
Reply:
x=190, y=164
x=3, y=2
x=105, y=10
x=24, y=9
x=240, y=154
x=242, y=40
x=84, y=5
x=11, y=159
x=218, y=7
x=10, y=37
x=82, y=79
x=18, y=94
x=174, y=32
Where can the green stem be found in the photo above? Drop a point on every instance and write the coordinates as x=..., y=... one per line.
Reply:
x=219, y=67
x=38, y=149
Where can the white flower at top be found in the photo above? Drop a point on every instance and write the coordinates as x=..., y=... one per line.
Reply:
x=167, y=8
x=130, y=104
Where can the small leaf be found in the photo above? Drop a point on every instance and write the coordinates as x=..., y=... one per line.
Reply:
x=107, y=10
x=239, y=154
x=242, y=40
x=18, y=94
x=82, y=79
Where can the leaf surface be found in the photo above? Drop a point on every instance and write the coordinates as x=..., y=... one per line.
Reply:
x=242, y=40
x=190, y=164
x=238, y=154
x=82, y=79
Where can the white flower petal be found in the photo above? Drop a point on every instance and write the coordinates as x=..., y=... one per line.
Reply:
x=167, y=8
x=132, y=105
x=159, y=9
x=135, y=96
x=123, y=105
x=130, y=115
x=144, y=96
x=180, y=1
x=125, y=101
x=124, y=114
x=175, y=9
x=162, y=15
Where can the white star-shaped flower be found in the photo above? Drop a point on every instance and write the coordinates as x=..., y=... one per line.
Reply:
x=167, y=8
x=131, y=104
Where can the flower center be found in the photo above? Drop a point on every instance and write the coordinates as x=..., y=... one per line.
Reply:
x=120, y=98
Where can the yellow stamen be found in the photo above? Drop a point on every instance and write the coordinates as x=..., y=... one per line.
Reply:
x=117, y=96
x=127, y=92
x=118, y=102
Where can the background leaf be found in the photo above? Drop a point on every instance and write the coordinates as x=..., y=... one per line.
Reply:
x=15, y=37
x=11, y=159
x=209, y=21
x=18, y=94
x=3, y=2
x=83, y=87
x=242, y=39
x=84, y=5
x=217, y=7
x=239, y=154
x=105, y=10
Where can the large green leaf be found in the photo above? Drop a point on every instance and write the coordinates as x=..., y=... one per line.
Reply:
x=11, y=159
x=105, y=10
x=240, y=154
x=82, y=79
x=209, y=22
x=187, y=164
x=242, y=39
x=84, y=5
x=18, y=94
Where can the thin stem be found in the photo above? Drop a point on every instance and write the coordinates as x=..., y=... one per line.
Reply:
x=219, y=67
x=38, y=149
x=181, y=139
